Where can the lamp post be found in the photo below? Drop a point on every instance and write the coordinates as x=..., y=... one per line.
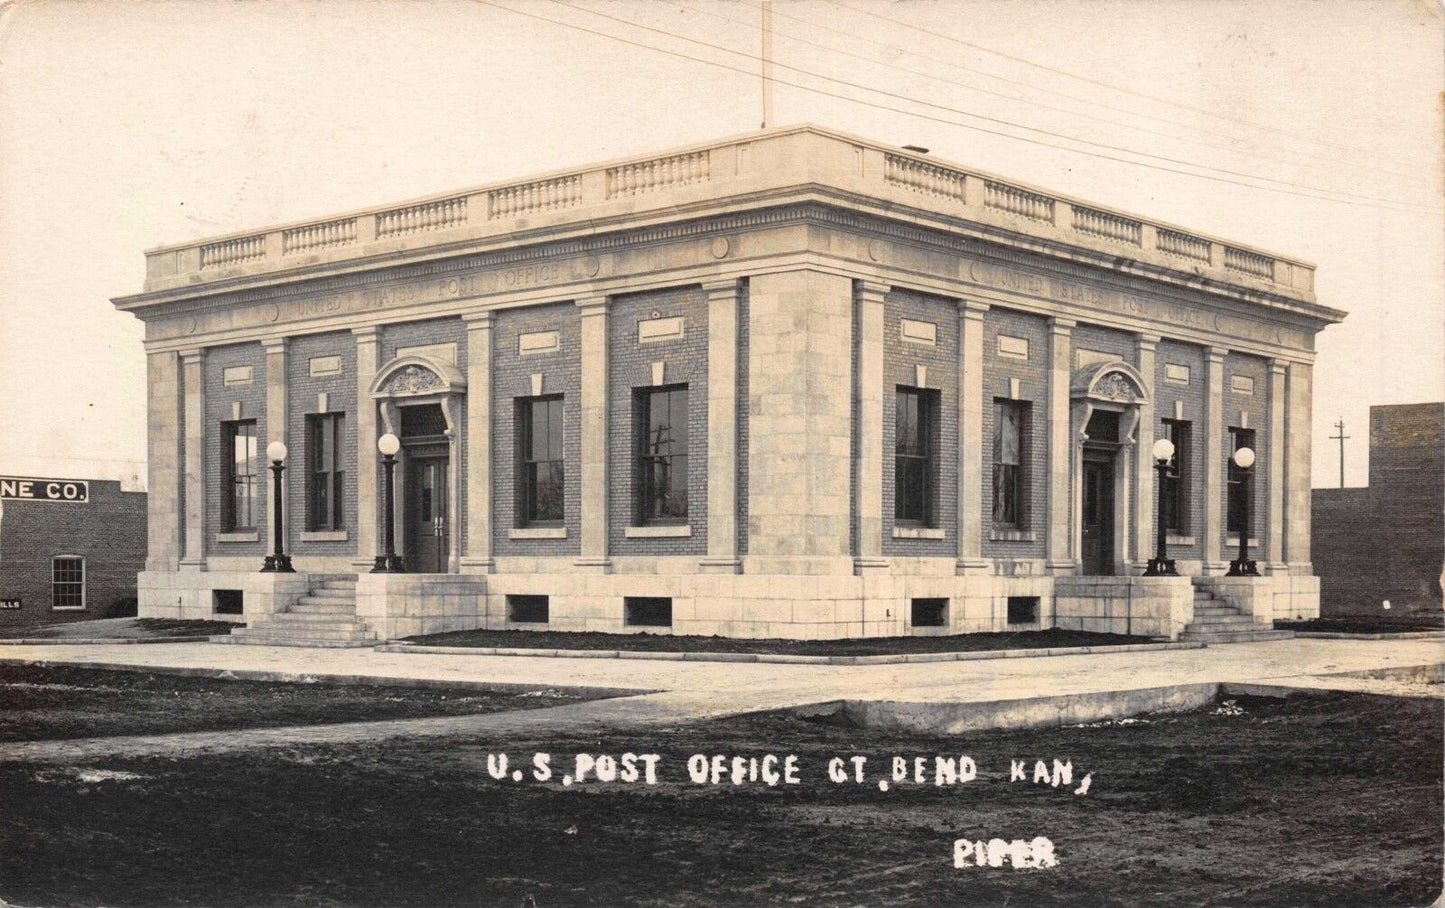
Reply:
x=1242, y=566
x=388, y=562
x=278, y=562
x=1161, y=565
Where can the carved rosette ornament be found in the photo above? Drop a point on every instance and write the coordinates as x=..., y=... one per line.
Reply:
x=411, y=380
x=1115, y=387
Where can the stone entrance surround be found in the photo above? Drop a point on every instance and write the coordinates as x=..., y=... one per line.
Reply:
x=790, y=280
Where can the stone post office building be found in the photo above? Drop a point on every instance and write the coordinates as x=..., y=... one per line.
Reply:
x=790, y=384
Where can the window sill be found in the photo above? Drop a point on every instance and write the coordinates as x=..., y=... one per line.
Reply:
x=917, y=532
x=1012, y=536
x=239, y=536
x=67, y=608
x=325, y=536
x=537, y=533
x=1171, y=539
x=664, y=531
x=1233, y=542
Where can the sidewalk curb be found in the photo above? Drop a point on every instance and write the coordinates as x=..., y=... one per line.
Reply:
x=249, y=674
x=887, y=659
x=95, y=641
x=1383, y=635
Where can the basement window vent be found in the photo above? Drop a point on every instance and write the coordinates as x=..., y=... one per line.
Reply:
x=228, y=602
x=528, y=609
x=647, y=611
x=930, y=612
x=1023, y=609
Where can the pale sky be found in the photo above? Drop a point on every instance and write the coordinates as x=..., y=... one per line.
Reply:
x=128, y=125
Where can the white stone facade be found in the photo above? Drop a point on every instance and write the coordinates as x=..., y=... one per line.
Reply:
x=770, y=273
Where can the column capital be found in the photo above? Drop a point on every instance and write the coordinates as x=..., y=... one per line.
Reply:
x=366, y=332
x=720, y=287
x=872, y=290
x=194, y=355
x=1062, y=326
x=1278, y=366
x=1147, y=341
x=592, y=305
x=478, y=320
x=972, y=309
x=275, y=344
x=1215, y=354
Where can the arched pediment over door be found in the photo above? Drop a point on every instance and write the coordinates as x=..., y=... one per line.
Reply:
x=1112, y=386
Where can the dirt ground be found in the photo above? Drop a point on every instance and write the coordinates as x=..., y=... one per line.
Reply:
x=688, y=643
x=1314, y=800
x=39, y=703
x=1367, y=624
x=130, y=628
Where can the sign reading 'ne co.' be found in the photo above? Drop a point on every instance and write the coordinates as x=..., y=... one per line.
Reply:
x=18, y=488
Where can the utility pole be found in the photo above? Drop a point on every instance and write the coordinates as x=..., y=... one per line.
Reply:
x=767, y=25
x=1341, y=438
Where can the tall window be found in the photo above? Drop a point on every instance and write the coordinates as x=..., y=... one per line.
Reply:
x=1237, y=478
x=325, y=480
x=1010, y=421
x=539, y=460
x=240, y=486
x=67, y=582
x=915, y=465
x=661, y=421
x=1176, y=478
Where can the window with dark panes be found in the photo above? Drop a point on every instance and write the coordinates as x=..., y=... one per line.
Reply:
x=539, y=460
x=660, y=418
x=240, y=484
x=67, y=582
x=1176, y=478
x=915, y=464
x=1238, y=479
x=326, y=477
x=1010, y=436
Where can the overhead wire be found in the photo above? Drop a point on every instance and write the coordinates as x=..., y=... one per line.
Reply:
x=1378, y=203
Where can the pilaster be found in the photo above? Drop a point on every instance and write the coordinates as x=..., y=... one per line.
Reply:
x=868, y=390
x=1298, y=444
x=593, y=393
x=722, y=427
x=1146, y=508
x=477, y=557
x=276, y=431
x=1275, y=470
x=368, y=351
x=193, y=363
x=164, y=463
x=970, y=437
x=1213, y=526
x=1058, y=550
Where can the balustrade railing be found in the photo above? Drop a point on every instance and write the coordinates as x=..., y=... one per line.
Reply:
x=1251, y=263
x=233, y=252
x=326, y=235
x=921, y=177
x=643, y=177
x=1017, y=201
x=438, y=215
x=1107, y=225
x=543, y=195
x=1172, y=242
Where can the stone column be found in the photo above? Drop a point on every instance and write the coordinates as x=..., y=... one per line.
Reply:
x=1146, y=508
x=722, y=428
x=868, y=388
x=970, y=437
x=1058, y=550
x=1274, y=514
x=276, y=431
x=800, y=355
x=368, y=520
x=193, y=378
x=164, y=508
x=1213, y=527
x=594, y=434
x=478, y=555
x=1298, y=442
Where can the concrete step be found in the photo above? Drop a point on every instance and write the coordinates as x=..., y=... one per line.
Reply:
x=321, y=608
x=1260, y=633
x=306, y=632
x=293, y=624
x=1231, y=618
x=325, y=601
x=1215, y=610
x=324, y=592
x=290, y=641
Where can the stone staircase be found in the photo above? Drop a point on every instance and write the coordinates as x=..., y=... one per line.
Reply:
x=325, y=616
x=1216, y=621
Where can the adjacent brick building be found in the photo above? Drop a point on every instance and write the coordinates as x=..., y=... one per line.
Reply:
x=795, y=383
x=66, y=559
x=1385, y=542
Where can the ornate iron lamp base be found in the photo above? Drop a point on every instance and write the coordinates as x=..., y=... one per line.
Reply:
x=1161, y=567
x=1240, y=567
x=277, y=564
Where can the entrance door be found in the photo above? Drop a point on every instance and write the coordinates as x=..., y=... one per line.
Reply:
x=1098, y=518
x=426, y=514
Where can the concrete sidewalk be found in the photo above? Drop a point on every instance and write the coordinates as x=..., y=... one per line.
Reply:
x=676, y=692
